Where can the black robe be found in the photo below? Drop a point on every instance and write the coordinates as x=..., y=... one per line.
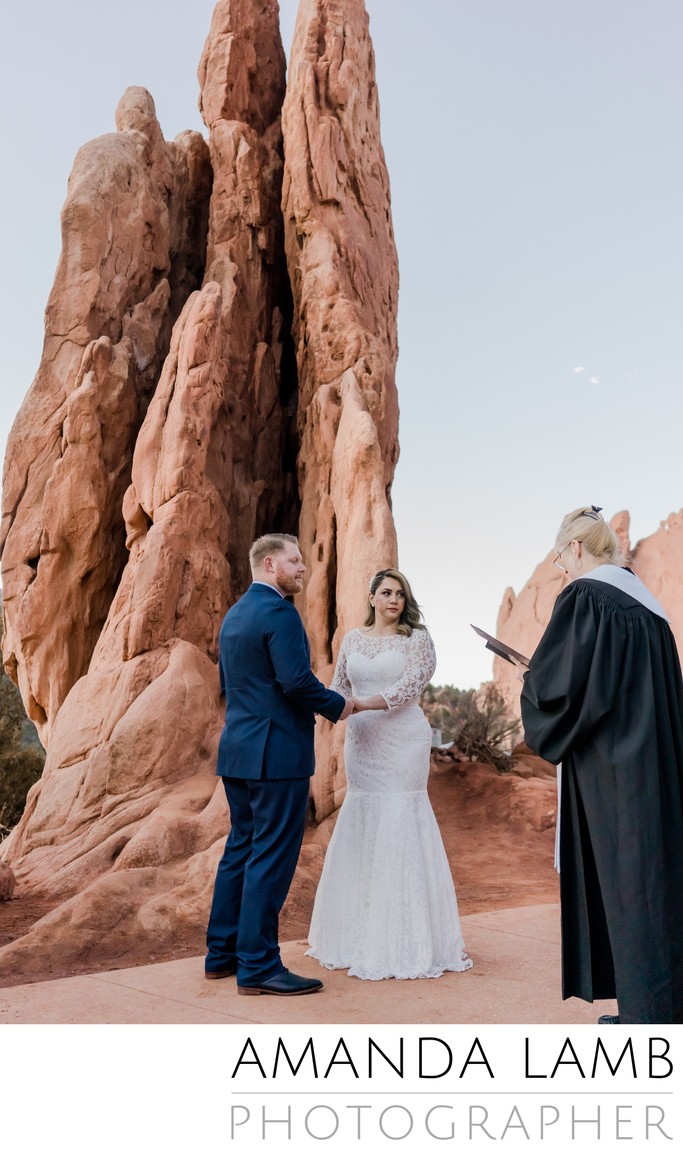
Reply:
x=604, y=697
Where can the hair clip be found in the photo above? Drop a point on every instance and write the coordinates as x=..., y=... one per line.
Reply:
x=594, y=512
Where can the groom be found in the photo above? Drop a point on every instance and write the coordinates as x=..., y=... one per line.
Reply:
x=265, y=757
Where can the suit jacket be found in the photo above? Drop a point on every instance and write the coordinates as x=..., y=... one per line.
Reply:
x=271, y=694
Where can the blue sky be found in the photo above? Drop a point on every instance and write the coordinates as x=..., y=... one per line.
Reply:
x=534, y=149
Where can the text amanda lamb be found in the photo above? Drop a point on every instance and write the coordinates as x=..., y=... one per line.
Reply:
x=426, y=1088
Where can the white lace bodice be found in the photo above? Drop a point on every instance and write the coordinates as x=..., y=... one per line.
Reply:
x=398, y=667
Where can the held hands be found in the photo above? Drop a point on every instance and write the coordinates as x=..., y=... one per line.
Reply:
x=373, y=703
x=521, y=668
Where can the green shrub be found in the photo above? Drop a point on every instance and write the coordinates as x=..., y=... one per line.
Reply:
x=478, y=723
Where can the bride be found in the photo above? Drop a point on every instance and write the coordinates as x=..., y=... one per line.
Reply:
x=386, y=906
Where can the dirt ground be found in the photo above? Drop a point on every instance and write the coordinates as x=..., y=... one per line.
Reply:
x=498, y=831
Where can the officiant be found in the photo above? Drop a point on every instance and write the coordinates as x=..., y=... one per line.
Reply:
x=603, y=695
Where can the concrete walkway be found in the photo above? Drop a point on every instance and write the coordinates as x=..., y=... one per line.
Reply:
x=515, y=978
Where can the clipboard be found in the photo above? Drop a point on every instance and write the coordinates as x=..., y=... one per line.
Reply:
x=499, y=648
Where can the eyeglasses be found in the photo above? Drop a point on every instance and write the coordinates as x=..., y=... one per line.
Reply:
x=556, y=560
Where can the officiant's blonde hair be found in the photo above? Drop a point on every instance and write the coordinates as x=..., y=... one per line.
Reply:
x=588, y=527
x=411, y=615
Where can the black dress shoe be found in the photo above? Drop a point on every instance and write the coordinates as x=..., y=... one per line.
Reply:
x=222, y=972
x=607, y=1019
x=284, y=983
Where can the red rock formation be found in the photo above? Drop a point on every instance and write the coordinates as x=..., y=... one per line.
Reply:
x=344, y=273
x=7, y=882
x=242, y=73
x=658, y=559
x=182, y=454
x=522, y=619
x=133, y=203
x=127, y=804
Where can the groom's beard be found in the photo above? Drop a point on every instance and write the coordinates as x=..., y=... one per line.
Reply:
x=290, y=584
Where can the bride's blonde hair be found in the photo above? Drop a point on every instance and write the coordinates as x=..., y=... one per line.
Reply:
x=411, y=616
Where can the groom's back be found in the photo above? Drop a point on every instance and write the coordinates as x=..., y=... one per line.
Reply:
x=243, y=641
x=261, y=722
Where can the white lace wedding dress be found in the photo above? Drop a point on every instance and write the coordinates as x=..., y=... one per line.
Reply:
x=386, y=905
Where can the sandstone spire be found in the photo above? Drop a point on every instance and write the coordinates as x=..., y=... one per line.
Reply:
x=242, y=73
x=344, y=274
x=125, y=253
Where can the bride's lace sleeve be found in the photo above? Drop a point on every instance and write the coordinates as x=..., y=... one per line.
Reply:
x=340, y=679
x=419, y=668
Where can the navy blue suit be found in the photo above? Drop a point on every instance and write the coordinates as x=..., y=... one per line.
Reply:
x=266, y=759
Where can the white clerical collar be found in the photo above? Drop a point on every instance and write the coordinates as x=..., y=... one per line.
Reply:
x=260, y=583
x=628, y=582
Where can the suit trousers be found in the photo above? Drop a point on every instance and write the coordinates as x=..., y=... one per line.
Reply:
x=267, y=817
